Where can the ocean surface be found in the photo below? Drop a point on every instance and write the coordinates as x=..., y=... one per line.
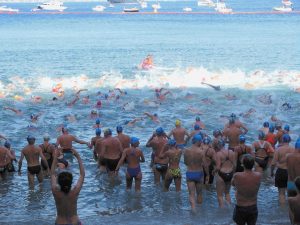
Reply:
x=251, y=56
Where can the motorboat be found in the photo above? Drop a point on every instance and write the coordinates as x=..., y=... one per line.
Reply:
x=187, y=9
x=99, y=8
x=283, y=9
x=7, y=9
x=208, y=3
x=131, y=10
x=51, y=6
x=221, y=8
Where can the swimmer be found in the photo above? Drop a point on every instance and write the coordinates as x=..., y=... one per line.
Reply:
x=97, y=123
x=265, y=127
x=294, y=206
x=293, y=168
x=86, y=100
x=230, y=97
x=231, y=134
x=265, y=99
x=162, y=93
x=210, y=158
x=207, y=101
x=94, y=141
x=195, y=111
x=132, y=122
x=279, y=133
x=199, y=122
x=48, y=152
x=122, y=93
x=32, y=154
x=36, y=99
x=216, y=88
x=271, y=137
x=64, y=195
x=279, y=161
x=72, y=103
x=234, y=121
x=248, y=113
x=286, y=106
x=16, y=111
x=241, y=150
x=286, y=129
x=94, y=114
x=218, y=135
x=179, y=133
x=5, y=159
x=197, y=130
x=247, y=184
x=133, y=156
x=10, y=167
x=153, y=117
x=98, y=104
x=34, y=117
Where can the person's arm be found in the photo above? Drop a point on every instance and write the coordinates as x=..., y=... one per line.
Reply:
x=274, y=162
x=142, y=158
x=121, y=161
x=53, y=167
x=20, y=161
x=149, y=142
x=10, y=155
x=218, y=162
x=80, y=181
x=187, y=136
x=44, y=159
x=245, y=130
x=80, y=141
x=206, y=170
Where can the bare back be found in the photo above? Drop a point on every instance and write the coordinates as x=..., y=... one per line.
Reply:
x=226, y=161
x=111, y=148
x=133, y=156
x=293, y=165
x=232, y=133
x=4, y=156
x=65, y=141
x=124, y=139
x=179, y=134
x=32, y=154
x=194, y=158
x=280, y=156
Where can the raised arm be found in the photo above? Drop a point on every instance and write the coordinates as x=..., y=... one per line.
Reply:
x=121, y=161
x=79, y=184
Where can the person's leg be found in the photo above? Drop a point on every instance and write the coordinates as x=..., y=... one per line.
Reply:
x=192, y=190
x=30, y=180
x=167, y=181
x=138, y=182
x=199, y=192
x=220, y=186
x=40, y=176
x=178, y=184
x=281, y=192
x=156, y=176
x=129, y=180
x=227, y=190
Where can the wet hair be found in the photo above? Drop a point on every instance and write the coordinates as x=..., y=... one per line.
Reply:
x=248, y=161
x=297, y=183
x=65, y=180
x=30, y=140
x=266, y=124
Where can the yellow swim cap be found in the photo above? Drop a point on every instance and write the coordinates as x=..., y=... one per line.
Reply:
x=177, y=122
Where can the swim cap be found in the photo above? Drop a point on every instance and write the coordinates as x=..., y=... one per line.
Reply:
x=159, y=131
x=6, y=144
x=107, y=132
x=97, y=121
x=32, y=116
x=271, y=129
x=242, y=138
x=30, y=138
x=287, y=127
x=197, y=127
x=93, y=111
x=266, y=124
x=155, y=114
x=46, y=137
x=119, y=129
x=233, y=116
x=286, y=138
x=261, y=135
x=177, y=122
x=297, y=144
x=217, y=132
x=98, y=131
x=206, y=140
x=172, y=142
x=134, y=140
x=99, y=103
x=127, y=122
x=197, y=118
x=197, y=138
x=221, y=143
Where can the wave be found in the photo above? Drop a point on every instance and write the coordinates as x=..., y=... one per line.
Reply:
x=191, y=77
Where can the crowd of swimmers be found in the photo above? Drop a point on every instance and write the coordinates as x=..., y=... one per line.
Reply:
x=225, y=159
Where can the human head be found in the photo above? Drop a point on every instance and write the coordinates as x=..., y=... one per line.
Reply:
x=196, y=127
x=30, y=139
x=46, y=137
x=261, y=135
x=266, y=124
x=7, y=144
x=98, y=121
x=98, y=131
x=248, y=161
x=220, y=144
x=206, y=140
x=297, y=144
x=271, y=129
x=278, y=125
x=171, y=142
x=159, y=131
x=177, y=123
x=65, y=180
x=155, y=115
x=286, y=138
x=64, y=130
x=242, y=138
x=217, y=133
x=119, y=129
x=233, y=116
x=107, y=132
x=197, y=139
x=134, y=141
x=197, y=118
x=287, y=128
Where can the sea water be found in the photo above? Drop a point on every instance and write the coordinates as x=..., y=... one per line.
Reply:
x=249, y=56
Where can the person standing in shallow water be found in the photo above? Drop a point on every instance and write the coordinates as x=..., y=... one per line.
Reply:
x=65, y=197
x=247, y=184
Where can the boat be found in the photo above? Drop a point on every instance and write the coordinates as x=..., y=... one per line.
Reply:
x=283, y=8
x=187, y=9
x=51, y=6
x=221, y=8
x=208, y=3
x=143, y=4
x=99, y=8
x=287, y=3
x=131, y=10
x=7, y=9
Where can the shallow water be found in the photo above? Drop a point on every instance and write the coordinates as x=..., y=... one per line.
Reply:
x=247, y=55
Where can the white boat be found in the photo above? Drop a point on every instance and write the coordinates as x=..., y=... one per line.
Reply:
x=51, y=6
x=143, y=4
x=111, y=5
x=283, y=9
x=221, y=8
x=287, y=3
x=99, y=8
x=187, y=9
x=7, y=9
x=131, y=10
x=208, y=3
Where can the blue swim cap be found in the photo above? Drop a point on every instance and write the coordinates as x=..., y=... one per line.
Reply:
x=134, y=140
x=6, y=144
x=286, y=138
x=197, y=118
x=206, y=140
x=119, y=129
x=106, y=96
x=97, y=121
x=297, y=144
x=159, y=131
x=126, y=122
x=233, y=116
x=261, y=135
x=155, y=114
x=197, y=127
x=172, y=142
x=30, y=138
x=271, y=129
x=196, y=138
x=98, y=131
x=287, y=127
x=242, y=138
x=266, y=124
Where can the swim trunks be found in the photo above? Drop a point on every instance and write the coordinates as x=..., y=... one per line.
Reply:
x=226, y=176
x=194, y=176
x=176, y=173
x=111, y=164
x=161, y=167
x=281, y=178
x=245, y=215
x=263, y=163
x=34, y=169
